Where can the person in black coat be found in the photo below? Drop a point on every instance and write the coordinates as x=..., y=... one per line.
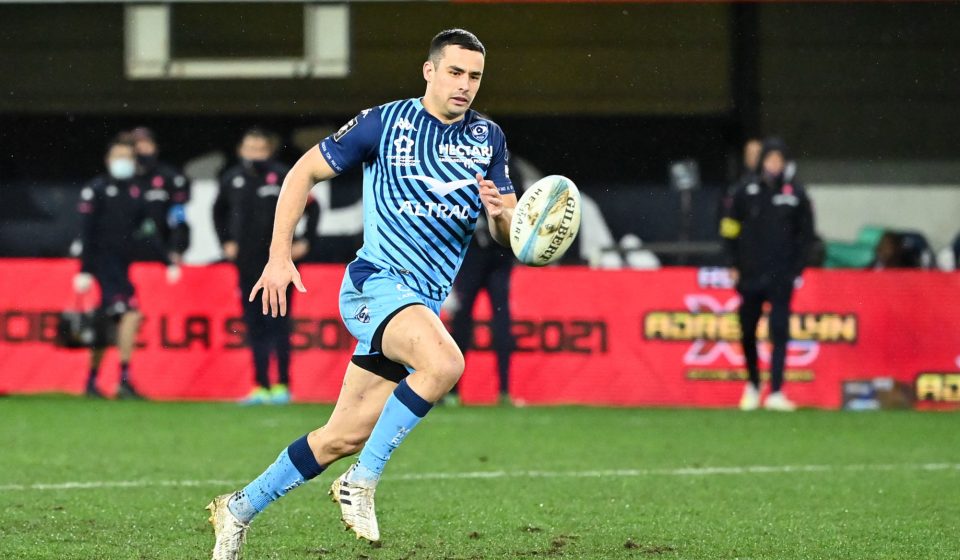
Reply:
x=243, y=216
x=486, y=266
x=114, y=216
x=768, y=230
x=166, y=195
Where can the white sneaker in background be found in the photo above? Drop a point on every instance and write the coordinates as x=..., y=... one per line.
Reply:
x=779, y=402
x=751, y=398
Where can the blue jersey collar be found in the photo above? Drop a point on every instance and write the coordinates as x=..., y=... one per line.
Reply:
x=418, y=103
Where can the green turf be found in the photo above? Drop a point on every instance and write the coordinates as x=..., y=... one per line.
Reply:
x=870, y=501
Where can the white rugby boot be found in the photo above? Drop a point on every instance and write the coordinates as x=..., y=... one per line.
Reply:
x=779, y=402
x=356, y=507
x=750, y=400
x=230, y=532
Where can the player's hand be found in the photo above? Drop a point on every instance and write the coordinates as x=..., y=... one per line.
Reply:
x=299, y=249
x=174, y=273
x=490, y=197
x=277, y=275
x=734, y=275
x=230, y=250
x=82, y=282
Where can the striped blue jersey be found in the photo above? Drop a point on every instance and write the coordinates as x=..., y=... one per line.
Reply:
x=421, y=199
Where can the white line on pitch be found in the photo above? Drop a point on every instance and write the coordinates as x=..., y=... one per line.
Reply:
x=685, y=471
x=95, y=484
x=612, y=473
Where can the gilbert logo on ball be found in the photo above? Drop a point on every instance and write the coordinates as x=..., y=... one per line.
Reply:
x=545, y=221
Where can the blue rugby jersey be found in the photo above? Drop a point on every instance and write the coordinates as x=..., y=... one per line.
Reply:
x=421, y=199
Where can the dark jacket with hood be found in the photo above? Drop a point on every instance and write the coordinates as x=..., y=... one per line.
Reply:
x=767, y=225
x=245, y=208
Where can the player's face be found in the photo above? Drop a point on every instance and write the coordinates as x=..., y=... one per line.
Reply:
x=751, y=154
x=254, y=148
x=452, y=81
x=773, y=164
x=146, y=147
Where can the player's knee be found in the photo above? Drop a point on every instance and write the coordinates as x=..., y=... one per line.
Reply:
x=448, y=364
x=325, y=444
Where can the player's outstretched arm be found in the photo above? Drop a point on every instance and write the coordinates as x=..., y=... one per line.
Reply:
x=499, y=209
x=280, y=270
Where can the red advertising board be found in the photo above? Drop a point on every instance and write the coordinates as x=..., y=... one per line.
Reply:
x=657, y=338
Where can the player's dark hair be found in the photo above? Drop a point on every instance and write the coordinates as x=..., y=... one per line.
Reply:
x=457, y=37
x=272, y=138
x=257, y=132
x=122, y=139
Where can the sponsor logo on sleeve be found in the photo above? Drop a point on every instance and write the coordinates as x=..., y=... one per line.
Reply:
x=351, y=124
x=345, y=129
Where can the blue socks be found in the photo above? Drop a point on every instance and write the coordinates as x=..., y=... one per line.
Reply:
x=294, y=466
x=403, y=411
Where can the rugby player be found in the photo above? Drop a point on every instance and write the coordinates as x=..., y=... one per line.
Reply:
x=431, y=165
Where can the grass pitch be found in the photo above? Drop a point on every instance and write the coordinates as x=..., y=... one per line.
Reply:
x=129, y=480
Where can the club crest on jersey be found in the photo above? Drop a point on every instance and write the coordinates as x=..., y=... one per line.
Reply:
x=480, y=131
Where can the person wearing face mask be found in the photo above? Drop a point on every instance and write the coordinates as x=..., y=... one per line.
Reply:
x=167, y=192
x=243, y=215
x=114, y=214
x=768, y=231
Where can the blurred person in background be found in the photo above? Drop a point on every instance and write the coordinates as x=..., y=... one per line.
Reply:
x=167, y=192
x=768, y=229
x=486, y=266
x=746, y=173
x=751, y=158
x=243, y=215
x=956, y=252
x=114, y=215
x=888, y=252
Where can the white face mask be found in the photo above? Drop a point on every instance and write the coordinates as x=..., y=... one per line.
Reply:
x=122, y=168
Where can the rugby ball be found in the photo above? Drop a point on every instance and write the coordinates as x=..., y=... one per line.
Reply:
x=545, y=221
